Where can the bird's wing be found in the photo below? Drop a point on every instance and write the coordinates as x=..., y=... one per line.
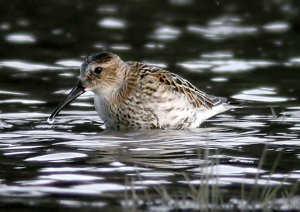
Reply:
x=175, y=83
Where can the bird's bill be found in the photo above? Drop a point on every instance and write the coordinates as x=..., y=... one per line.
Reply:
x=77, y=90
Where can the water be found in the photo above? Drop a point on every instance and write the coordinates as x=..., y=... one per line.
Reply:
x=247, y=158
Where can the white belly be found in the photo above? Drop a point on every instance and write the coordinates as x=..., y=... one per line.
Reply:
x=166, y=114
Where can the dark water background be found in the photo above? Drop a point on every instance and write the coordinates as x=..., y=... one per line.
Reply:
x=247, y=51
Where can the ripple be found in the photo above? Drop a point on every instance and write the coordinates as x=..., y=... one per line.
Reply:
x=225, y=66
x=293, y=61
x=219, y=79
x=102, y=187
x=68, y=74
x=217, y=55
x=65, y=169
x=260, y=95
x=205, y=182
x=288, y=142
x=41, y=190
x=120, y=47
x=277, y=27
x=27, y=66
x=235, y=180
x=154, y=63
x=20, y=38
x=13, y=93
x=154, y=174
x=81, y=104
x=86, y=95
x=166, y=33
x=35, y=182
x=243, y=124
x=57, y=31
x=112, y=23
x=4, y=125
x=107, y=9
x=292, y=175
x=226, y=170
x=81, y=203
x=21, y=147
x=22, y=101
x=23, y=22
x=195, y=65
x=154, y=45
x=223, y=28
x=70, y=177
x=240, y=65
x=5, y=26
x=18, y=153
x=261, y=91
x=152, y=182
x=251, y=181
x=55, y=157
x=181, y=2
x=69, y=63
x=24, y=115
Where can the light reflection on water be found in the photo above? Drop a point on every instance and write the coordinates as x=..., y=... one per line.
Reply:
x=20, y=38
x=223, y=28
x=223, y=66
x=112, y=23
x=27, y=66
x=260, y=95
x=87, y=161
x=166, y=33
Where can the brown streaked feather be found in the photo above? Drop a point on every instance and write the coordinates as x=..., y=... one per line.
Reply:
x=177, y=84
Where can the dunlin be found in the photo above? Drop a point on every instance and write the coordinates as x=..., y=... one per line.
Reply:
x=133, y=95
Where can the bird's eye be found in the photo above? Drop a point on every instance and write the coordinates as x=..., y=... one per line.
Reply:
x=98, y=70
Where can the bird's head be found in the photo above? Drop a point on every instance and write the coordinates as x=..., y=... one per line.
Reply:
x=101, y=73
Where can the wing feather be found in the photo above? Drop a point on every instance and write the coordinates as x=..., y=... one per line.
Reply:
x=177, y=84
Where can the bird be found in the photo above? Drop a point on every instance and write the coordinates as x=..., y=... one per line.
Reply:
x=134, y=95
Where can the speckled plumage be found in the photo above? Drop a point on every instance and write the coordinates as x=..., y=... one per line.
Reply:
x=135, y=95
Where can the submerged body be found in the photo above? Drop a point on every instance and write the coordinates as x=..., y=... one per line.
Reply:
x=132, y=95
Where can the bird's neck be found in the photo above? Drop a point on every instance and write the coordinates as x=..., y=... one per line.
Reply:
x=126, y=83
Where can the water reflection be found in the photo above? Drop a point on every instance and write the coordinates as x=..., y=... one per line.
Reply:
x=107, y=9
x=260, y=95
x=69, y=63
x=20, y=38
x=223, y=28
x=226, y=65
x=27, y=66
x=12, y=93
x=166, y=33
x=57, y=157
x=112, y=23
x=277, y=27
x=85, y=162
x=120, y=47
x=5, y=26
x=22, y=101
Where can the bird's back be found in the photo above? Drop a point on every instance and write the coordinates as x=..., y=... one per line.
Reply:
x=165, y=100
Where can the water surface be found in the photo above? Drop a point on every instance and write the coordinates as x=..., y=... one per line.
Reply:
x=246, y=158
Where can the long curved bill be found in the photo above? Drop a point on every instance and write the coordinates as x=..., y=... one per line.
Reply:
x=77, y=90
